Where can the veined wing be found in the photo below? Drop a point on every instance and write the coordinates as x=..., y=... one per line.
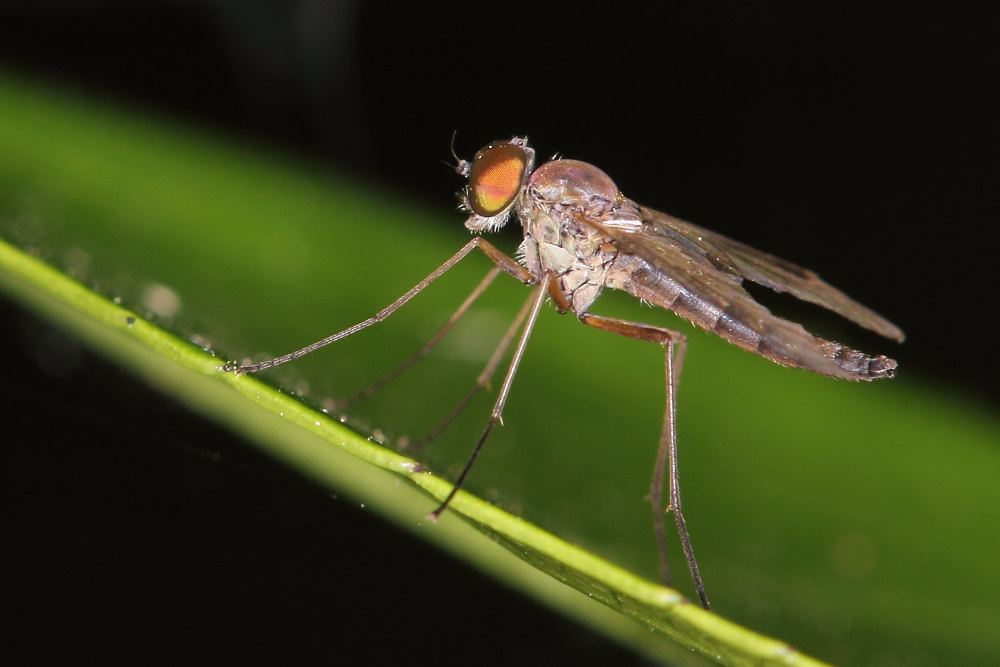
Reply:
x=767, y=270
x=699, y=274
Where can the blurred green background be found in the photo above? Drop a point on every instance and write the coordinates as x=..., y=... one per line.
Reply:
x=854, y=521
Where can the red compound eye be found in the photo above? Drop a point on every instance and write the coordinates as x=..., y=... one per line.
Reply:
x=495, y=178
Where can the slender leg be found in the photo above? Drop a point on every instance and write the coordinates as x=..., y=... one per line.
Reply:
x=666, y=455
x=370, y=390
x=482, y=381
x=502, y=261
x=536, y=299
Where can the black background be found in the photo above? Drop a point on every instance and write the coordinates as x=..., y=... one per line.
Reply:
x=856, y=139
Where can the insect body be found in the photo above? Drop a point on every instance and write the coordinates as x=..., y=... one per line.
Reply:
x=582, y=235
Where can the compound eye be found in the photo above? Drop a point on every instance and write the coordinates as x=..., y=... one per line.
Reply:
x=495, y=178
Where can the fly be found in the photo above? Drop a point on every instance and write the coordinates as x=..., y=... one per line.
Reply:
x=581, y=234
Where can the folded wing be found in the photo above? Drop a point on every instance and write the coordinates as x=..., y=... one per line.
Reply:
x=698, y=274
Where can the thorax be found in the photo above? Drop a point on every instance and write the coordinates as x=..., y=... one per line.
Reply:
x=561, y=211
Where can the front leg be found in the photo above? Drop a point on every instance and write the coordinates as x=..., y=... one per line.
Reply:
x=674, y=344
x=502, y=261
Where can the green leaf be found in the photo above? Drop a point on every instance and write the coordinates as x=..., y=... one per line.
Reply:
x=847, y=519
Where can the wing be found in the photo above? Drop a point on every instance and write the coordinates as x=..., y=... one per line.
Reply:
x=768, y=270
x=698, y=274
